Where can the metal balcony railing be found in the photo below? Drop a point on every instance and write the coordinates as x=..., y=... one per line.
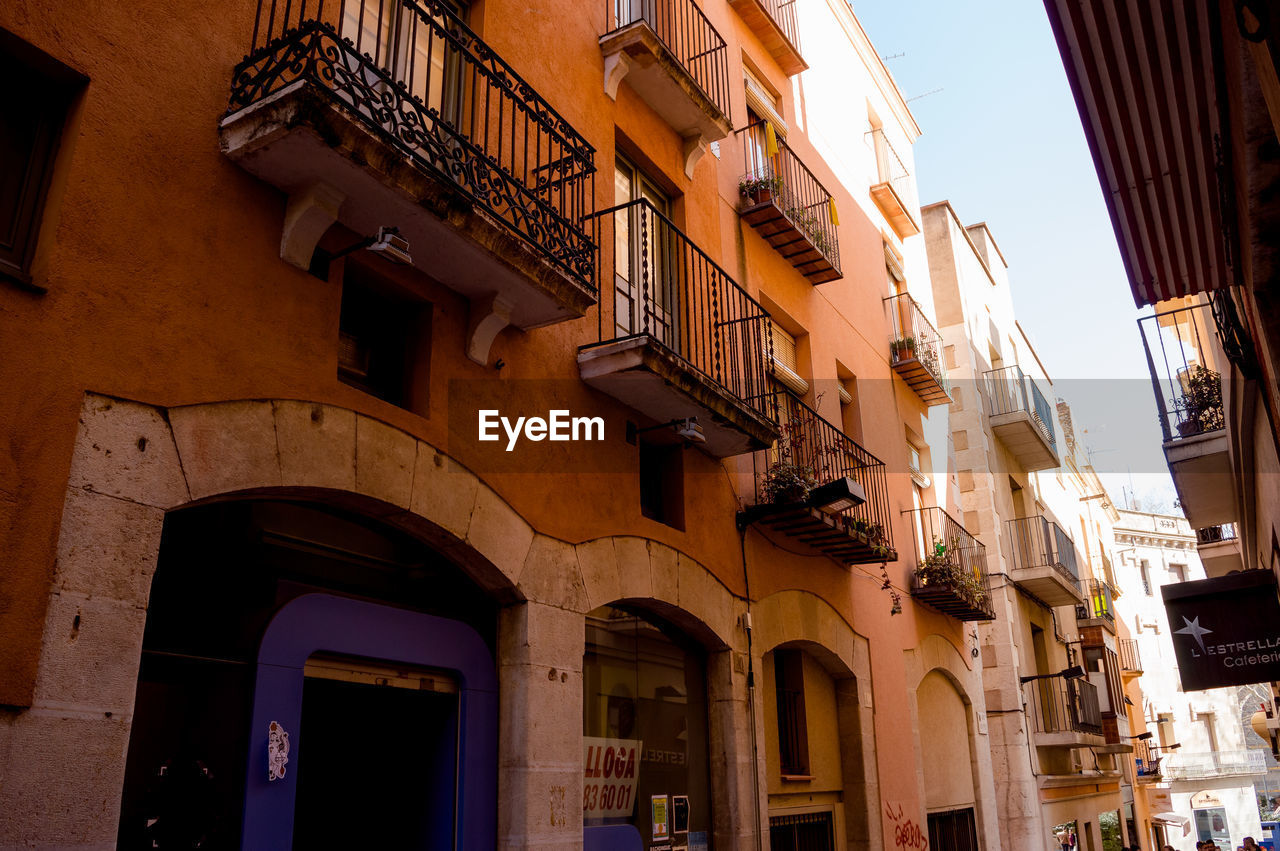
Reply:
x=783, y=13
x=951, y=566
x=1188, y=393
x=1064, y=706
x=1098, y=601
x=1009, y=391
x=1039, y=542
x=666, y=287
x=815, y=448
x=1217, y=534
x=913, y=336
x=1147, y=760
x=417, y=76
x=1130, y=658
x=784, y=180
x=1197, y=766
x=892, y=170
x=685, y=31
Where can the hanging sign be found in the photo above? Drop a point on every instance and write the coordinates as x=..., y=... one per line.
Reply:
x=277, y=751
x=610, y=771
x=1226, y=631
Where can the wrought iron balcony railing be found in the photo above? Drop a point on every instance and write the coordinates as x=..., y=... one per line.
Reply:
x=951, y=567
x=1188, y=393
x=667, y=288
x=1039, y=542
x=1217, y=534
x=1097, y=601
x=1197, y=766
x=1147, y=761
x=1010, y=391
x=416, y=75
x=1064, y=706
x=1130, y=658
x=788, y=205
x=916, y=350
x=810, y=453
x=893, y=171
x=685, y=31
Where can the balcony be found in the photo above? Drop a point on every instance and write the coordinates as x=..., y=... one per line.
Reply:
x=915, y=350
x=787, y=205
x=1188, y=393
x=1148, y=763
x=1098, y=608
x=1130, y=658
x=1219, y=549
x=678, y=337
x=1043, y=561
x=1064, y=713
x=1213, y=764
x=811, y=458
x=676, y=62
x=774, y=23
x=414, y=123
x=1022, y=418
x=951, y=567
x=894, y=192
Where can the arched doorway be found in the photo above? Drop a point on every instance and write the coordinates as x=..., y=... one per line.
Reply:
x=951, y=793
x=370, y=654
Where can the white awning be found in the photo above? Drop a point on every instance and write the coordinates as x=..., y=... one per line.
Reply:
x=1173, y=820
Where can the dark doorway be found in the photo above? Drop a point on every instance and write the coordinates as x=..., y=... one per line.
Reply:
x=377, y=765
x=953, y=830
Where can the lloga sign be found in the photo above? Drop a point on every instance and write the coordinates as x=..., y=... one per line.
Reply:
x=610, y=770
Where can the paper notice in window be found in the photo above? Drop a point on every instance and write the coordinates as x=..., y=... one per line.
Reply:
x=610, y=772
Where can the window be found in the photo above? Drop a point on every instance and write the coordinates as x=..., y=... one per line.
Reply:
x=662, y=483
x=1103, y=670
x=802, y=832
x=1145, y=569
x=954, y=830
x=793, y=734
x=30, y=129
x=383, y=339
x=1178, y=572
x=786, y=366
x=850, y=410
x=645, y=688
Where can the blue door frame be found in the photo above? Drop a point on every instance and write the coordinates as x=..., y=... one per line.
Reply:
x=323, y=623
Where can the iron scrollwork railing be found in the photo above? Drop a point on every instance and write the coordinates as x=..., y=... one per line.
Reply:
x=685, y=31
x=1217, y=534
x=786, y=182
x=1188, y=393
x=415, y=74
x=666, y=287
x=913, y=336
x=825, y=453
x=1065, y=706
x=1039, y=542
x=1010, y=391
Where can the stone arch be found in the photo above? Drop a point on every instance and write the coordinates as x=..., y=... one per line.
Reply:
x=798, y=619
x=936, y=655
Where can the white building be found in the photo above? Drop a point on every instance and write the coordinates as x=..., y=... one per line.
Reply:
x=1197, y=768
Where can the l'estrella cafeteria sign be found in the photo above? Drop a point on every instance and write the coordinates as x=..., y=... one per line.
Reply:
x=610, y=770
x=1226, y=631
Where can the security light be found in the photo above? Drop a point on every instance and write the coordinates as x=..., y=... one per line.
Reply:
x=686, y=428
x=392, y=246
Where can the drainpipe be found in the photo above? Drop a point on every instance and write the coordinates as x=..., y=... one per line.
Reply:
x=751, y=694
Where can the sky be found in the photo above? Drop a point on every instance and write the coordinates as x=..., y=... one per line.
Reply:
x=1002, y=141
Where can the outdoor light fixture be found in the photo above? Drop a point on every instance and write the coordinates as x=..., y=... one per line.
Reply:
x=1075, y=672
x=837, y=495
x=686, y=428
x=1172, y=747
x=1141, y=737
x=387, y=242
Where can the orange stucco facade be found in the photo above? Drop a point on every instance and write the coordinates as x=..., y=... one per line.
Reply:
x=159, y=282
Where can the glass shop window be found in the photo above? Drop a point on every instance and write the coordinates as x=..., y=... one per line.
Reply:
x=645, y=730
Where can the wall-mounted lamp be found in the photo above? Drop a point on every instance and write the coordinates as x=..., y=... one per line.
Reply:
x=686, y=428
x=1172, y=747
x=1141, y=737
x=1075, y=672
x=387, y=242
x=837, y=495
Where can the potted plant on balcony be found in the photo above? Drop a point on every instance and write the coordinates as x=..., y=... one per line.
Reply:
x=903, y=348
x=759, y=189
x=1201, y=402
x=786, y=483
x=941, y=568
